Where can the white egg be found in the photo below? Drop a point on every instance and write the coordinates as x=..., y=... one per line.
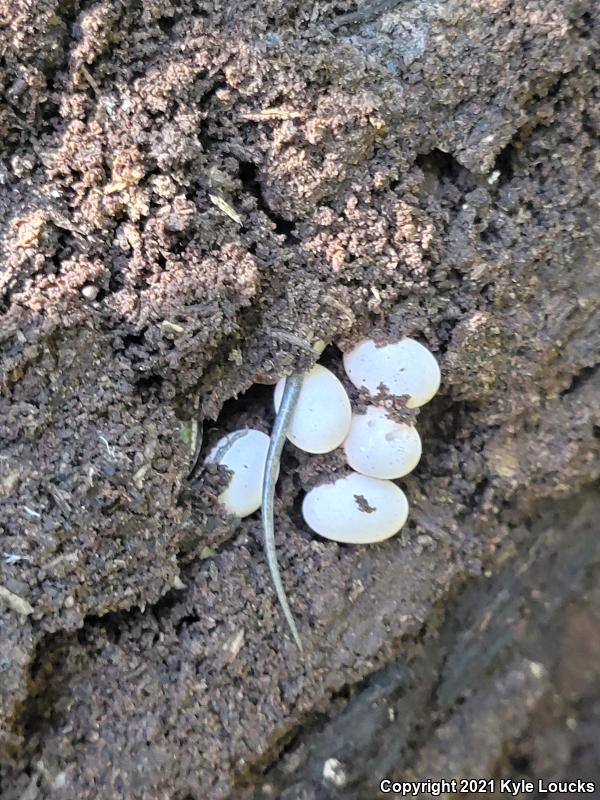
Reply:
x=321, y=419
x=405, y=367
x=356, y=509
x=380, y=447
x=244, y=453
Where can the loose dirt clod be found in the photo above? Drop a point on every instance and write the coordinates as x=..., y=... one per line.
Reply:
x=427, y=170
x=14, y=601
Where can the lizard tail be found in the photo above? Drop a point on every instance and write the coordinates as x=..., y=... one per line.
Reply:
x=291, y=392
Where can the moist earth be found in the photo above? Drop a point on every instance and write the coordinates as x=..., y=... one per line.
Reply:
x=193, y=194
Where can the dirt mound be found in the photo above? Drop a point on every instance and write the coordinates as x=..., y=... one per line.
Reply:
x=191, y=192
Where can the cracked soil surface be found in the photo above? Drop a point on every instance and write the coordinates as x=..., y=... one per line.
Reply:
x=191, y=191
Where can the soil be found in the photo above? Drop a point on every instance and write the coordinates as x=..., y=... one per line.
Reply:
x=189, y=194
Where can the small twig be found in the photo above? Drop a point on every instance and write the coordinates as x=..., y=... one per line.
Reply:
x=15, y=602
x=195, y=459
x=291, y=393
x=90, y=79
x=106, y=443
x=31, y=513
x=171, y=326
x=14, y=558
x=224, y=206
x=273, y=113
x=366, y=13
x=291, y=338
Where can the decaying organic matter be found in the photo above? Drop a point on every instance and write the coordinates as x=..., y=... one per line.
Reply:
x=187, y=191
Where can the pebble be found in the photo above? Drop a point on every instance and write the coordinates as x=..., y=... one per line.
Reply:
x=90, y=292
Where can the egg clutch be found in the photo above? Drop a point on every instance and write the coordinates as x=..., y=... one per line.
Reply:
x=364, y=506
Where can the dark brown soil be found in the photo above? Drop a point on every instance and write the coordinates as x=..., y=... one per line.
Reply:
x=190, y=193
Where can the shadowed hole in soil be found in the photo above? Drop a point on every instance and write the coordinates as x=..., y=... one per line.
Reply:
x=507, y=157
x=505, y=163
x=445, y=167
x=185, y=622
x=520, y=763
x=131, y=340
x=50, y=673
x=248, y=174
x=586, y=24
x=332, y=358
x=295, y=512
x=116, y=281
x=110, y=623
x=149, y=385
x=490, y=235
x=167, y=24
x=258, y=399
x=579, y=379
x=167, y=602
x=255, y=408
x=236, y=413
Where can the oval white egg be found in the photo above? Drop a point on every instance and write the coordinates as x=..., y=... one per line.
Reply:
x=321, y=419
x=405, y=367
x=380, y=447
x=244, y=453
x=356, y=509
